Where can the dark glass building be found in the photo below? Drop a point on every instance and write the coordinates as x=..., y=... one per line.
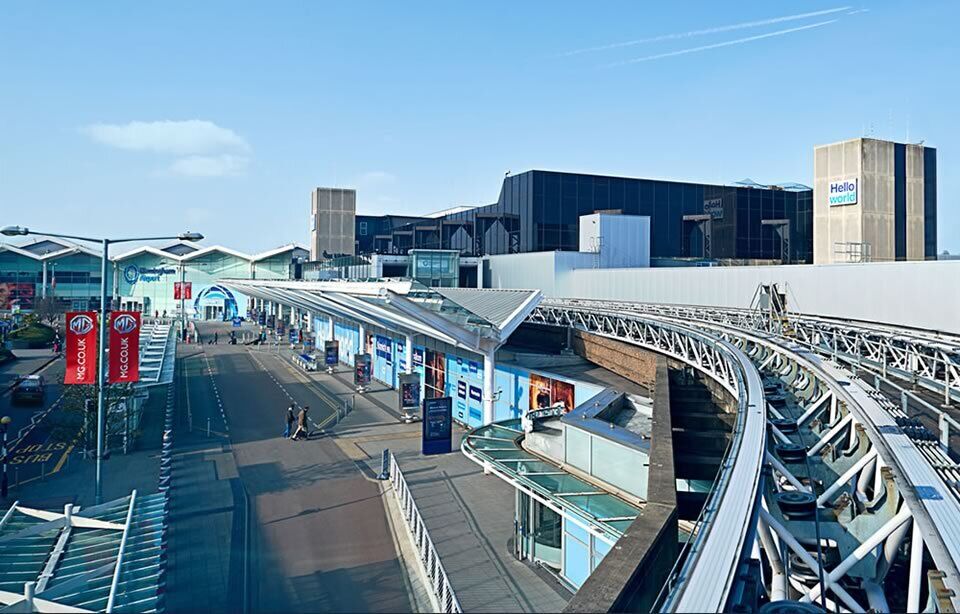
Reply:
x=540, y=211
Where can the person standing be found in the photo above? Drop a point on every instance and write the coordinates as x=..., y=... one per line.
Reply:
x=216, y=338
x=289, y=422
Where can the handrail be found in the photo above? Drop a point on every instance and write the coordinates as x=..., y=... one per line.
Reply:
x=120, y=552
x=439, y=582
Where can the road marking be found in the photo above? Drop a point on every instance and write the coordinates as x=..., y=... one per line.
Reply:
x=351, y=449
x=63, y=458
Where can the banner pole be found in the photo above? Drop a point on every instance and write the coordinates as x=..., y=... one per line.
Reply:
x=102, y=370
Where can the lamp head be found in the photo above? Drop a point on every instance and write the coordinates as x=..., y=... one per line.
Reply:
x=6, y=420
x=190, y=236
x=15, y=231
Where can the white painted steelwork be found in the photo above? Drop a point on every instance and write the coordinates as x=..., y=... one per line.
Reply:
x=726, y=529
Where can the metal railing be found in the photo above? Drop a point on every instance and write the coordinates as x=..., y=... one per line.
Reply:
x=439, y=582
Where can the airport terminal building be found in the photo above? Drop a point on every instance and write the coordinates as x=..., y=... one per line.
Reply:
x=142, y=279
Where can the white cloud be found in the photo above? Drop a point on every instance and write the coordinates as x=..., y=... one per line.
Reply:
x=193, y=136
x=209, y=166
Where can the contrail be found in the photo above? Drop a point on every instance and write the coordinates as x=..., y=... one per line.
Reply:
x=738, y=41
x=716, y=30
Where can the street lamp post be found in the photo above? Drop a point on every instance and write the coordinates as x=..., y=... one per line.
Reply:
x=4, y=424
x=13, y=231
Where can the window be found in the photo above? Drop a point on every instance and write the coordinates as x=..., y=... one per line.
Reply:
x=363, y=229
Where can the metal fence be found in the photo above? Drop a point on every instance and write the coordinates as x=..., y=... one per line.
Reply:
x=439, y=583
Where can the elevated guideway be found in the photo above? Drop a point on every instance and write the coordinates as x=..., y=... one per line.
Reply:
x=725, y=530
x=845, y=432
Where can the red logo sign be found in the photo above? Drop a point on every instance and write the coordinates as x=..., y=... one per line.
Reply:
x=81, y=348
x=124, y=347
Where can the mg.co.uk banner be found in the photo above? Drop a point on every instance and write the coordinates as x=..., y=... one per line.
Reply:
x=81, y=348
x=124, y=347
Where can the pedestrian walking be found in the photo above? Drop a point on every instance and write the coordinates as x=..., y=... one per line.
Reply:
x=290, y=419
x=302, y=424
x=216, y=338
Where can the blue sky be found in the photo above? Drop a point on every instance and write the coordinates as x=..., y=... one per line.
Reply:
x=131, y=118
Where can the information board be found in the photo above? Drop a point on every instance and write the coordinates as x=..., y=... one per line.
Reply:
x=437, y=426
x=361, y=370
x=331, y=352
x=409, y=393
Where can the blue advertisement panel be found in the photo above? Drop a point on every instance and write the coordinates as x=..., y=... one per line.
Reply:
x=437, y=426
x=383, y=360
x=349, y=338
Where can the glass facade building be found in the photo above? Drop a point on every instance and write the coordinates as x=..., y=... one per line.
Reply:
x=71, y=275
x=540, y=211
x=142, y=279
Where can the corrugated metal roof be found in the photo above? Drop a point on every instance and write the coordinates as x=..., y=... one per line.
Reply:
x=495, y=306
x=73, y=563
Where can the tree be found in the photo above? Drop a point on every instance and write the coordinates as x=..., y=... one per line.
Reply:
x=77, y=422
x=48, y=309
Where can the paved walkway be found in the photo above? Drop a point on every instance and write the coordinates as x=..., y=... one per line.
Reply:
x=324, y=540
x=469, y=515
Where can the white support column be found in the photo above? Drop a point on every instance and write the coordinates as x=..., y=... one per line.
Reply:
x=363, y=338
x=294, y=312
x=916, y=567
x=309, y=321
x=408, y=353
x=43, y=288
x=489, y=367
x=330, y=333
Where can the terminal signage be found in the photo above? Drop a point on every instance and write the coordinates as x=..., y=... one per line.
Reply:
x=331, y=352
x=843, y=192
x=132, y=273
x=361, y=370
x=124, y=347
x=437, y=425
x=714, y=208
x=294, y=335
x=81, y=348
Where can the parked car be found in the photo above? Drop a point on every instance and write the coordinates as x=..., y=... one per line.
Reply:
x=28, y=389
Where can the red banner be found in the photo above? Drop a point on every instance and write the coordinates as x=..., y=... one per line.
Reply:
x=81, y=348
x=182, y=290
x=124, y=347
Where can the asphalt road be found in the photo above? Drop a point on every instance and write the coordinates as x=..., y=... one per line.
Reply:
x=324, y=541
x=33, y=450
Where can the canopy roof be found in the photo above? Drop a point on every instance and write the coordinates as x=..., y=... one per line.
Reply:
x=102, y=558
x=498, y=444
x=476, y=319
